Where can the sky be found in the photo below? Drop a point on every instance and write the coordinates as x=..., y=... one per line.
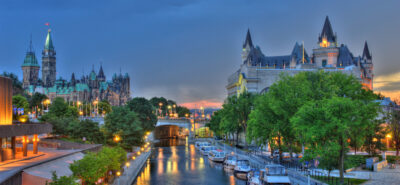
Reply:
x=185, y=49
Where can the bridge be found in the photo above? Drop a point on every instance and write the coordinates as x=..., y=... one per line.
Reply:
x=177, y=127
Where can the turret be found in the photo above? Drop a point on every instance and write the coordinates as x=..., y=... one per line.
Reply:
x=100, y=76
x=73, y=81
x=48, y=62
x=366, y=54
x=30, y=68
x=247, y=46
x=327, y=38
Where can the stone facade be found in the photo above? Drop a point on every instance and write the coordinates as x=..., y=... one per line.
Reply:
x=86, y=89
x=258, y=72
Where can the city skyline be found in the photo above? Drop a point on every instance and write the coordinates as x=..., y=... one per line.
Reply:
x=197, y=43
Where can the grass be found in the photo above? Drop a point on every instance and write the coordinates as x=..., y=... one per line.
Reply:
x=336, y=180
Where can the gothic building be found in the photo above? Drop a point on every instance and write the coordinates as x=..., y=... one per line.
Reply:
x=86, y=89
x=258, y=71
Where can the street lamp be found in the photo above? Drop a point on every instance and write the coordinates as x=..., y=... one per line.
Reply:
x=388, y=136
x=118, y=174
x=117, y=138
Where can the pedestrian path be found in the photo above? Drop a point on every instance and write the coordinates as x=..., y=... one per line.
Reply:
x=133, y=170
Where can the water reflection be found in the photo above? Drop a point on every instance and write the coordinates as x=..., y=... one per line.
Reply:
x=176, y=162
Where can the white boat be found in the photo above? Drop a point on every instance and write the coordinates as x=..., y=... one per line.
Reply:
x=275, y=174
x=254, y=177
x=217, y=155
x=241, y=169
x=199, y=144
x=230, y=162
x=206, y=149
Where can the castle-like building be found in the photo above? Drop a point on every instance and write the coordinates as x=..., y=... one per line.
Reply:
x=258, y=72
x=86, y=89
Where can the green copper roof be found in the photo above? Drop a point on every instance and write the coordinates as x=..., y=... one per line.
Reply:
x=49, y=43
x=30, y=60
x=81, y=87
x=103, y=86
x=93, y=75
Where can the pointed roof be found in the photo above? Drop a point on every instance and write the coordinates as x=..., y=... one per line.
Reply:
x=298, y=53
x=101, y=73
x=248, y=40
x=49, y=42
x=366, y=53
x=30, y=57
x=327, y=31
x=73, y=77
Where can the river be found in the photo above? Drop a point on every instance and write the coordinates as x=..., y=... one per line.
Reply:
x=177, y=162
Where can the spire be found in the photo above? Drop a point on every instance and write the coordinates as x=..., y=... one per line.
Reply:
x=49, y=42
x=30, y=57
x=366, y=53
x=327, y=32
x=248, y=40
x=30, y=45
x=73, y=79
x=101, y=72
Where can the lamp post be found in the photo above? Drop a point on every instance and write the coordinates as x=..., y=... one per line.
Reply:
x=118, y=174
x=388, y=136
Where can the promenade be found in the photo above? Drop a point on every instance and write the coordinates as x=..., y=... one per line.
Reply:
x=131, y=172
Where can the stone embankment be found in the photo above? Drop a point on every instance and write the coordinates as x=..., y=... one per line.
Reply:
x=130, y=173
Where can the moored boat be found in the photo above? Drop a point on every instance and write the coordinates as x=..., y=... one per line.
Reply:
x=206, y=149
x=275, y=174
x=230, y=162
x=217, y=155
x=241, y=169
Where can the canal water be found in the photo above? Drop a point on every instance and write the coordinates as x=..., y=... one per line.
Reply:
x=177, y=162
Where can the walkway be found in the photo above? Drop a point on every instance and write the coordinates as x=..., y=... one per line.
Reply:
x=130, y=174
x=9, y=169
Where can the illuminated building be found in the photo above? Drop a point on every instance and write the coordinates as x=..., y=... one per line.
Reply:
x=86, y=89
x=11, y=134
x=258, y=71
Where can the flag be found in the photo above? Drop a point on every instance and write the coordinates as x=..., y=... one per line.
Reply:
x=47, y=24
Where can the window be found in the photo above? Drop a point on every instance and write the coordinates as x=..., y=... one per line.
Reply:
x=323, y=63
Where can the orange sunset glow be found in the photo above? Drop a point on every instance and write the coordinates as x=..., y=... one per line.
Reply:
x=202, y=103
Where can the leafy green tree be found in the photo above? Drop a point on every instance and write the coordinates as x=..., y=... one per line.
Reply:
x=215, y=123
x=182, y=111
x=155, y=101
x=63, y=180
x=263, y=125
x=60, y=115
x=394, y=126
x=125, y=123
x=37, y=99
x=89, y=169
x=19, y=101
x=104, y=107
x=86, y=129
x=327, y=126
x=115, y=157
x=145, y=112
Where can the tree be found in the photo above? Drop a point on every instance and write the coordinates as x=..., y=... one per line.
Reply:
x=215, y=123
x=60, y=115
x=327, y=126
x=125, y=123
x=394, y=126
x=263, y=124
x=19, y=101
x=36, y=100
x=63, y=180
x=89, y=169
x=145, y=111
x=182, y=111
x=104, y=107
x=86, y=128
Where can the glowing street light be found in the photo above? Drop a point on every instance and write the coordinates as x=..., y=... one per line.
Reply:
x=117, y=138
x=127, y=164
